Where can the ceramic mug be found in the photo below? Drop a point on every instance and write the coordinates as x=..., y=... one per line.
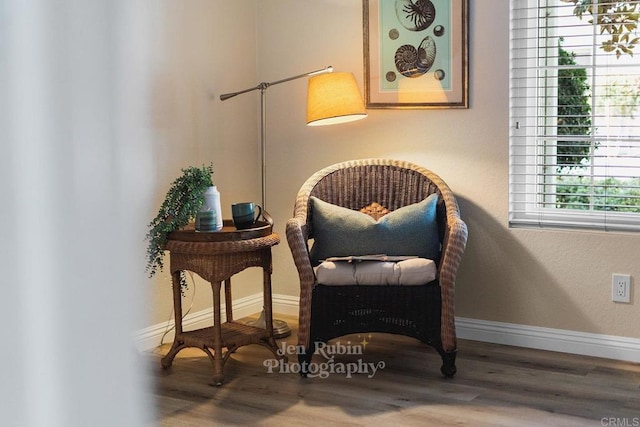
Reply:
x=244, y=214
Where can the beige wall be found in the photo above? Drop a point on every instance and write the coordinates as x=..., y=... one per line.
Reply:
x=542, y=278
x=204, y=48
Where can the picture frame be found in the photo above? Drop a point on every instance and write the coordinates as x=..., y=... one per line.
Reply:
x=416, y=54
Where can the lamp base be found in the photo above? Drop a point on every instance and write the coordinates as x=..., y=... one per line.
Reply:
x=280, y=327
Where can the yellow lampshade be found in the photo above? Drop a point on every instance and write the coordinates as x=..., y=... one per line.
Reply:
x=334, y=98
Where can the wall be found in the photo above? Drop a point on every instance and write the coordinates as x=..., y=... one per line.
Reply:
x=552, y=279
x=204, y=48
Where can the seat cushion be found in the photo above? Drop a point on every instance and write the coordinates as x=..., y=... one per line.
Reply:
x=409, y=230
x=409, y=272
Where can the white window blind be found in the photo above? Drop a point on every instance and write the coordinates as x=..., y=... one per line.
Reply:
x=574, y=114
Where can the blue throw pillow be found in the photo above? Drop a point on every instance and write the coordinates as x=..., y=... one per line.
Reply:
x=410, y=230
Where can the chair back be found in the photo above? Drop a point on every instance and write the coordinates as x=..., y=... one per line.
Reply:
x=376, y=187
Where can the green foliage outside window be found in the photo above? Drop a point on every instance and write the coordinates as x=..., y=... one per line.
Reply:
x=574, y=112
x=611, y=194
x=573, y=190
x=617, y=19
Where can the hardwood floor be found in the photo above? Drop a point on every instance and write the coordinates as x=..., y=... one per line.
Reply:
x=495, y=386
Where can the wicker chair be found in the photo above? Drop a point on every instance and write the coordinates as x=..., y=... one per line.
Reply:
x=425, y=312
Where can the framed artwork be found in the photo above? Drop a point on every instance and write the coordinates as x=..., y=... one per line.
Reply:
x=416, y=54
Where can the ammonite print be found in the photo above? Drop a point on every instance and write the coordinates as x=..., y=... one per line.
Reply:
x=415, y=15
x=406, y=59
x=416, y=53
x=414, y=62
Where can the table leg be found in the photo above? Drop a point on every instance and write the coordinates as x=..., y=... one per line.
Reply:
x=178, y=345
x=228, y=302
x=268, y=305
x=270, y=342
x=177, y=300
x=218, y=361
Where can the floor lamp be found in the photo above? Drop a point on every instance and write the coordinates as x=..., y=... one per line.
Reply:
x=332, y=98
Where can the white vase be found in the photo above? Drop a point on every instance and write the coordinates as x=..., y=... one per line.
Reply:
x=210, y=216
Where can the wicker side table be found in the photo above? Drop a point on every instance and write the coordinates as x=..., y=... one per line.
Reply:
x=216, y=257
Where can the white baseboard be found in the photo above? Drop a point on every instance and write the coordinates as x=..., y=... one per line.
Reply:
x=153, y=336
x=286, y=304
x=565, y=341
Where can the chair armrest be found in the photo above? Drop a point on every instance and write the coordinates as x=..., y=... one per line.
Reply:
x=297, y=236
x=453, y=246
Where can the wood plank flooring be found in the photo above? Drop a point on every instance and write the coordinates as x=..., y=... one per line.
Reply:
x=495, y=386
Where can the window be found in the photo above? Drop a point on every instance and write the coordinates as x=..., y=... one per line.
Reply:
x=575, y=107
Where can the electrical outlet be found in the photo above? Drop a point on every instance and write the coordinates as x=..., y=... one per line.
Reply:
x=621, y=288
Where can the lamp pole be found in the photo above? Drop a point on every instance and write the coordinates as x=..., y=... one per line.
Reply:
x=280, y=327
x=262, y=87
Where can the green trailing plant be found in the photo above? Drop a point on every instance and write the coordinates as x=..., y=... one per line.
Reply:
x=180, y=206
